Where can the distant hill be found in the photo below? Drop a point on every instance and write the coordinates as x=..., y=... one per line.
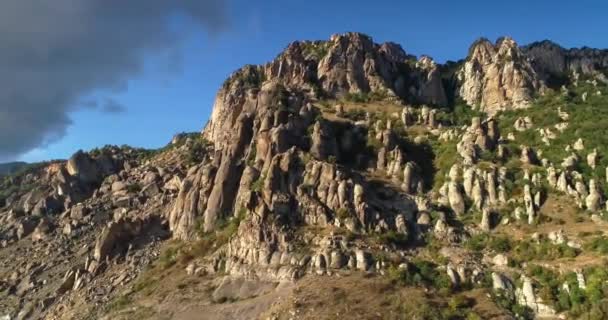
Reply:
x=10, y=167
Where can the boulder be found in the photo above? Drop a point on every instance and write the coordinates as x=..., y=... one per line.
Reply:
x=594, y=199
x=83, y=167
x=42, y=230
x=455, y=198
x=115, y=237
x=363, y=260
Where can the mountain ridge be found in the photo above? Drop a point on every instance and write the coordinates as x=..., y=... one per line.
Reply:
x=10, y=167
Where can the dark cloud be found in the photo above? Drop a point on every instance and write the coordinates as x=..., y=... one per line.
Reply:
x=112, y=106
x=52, y=53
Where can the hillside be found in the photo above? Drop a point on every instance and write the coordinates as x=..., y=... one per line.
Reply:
x=344, y=178
x=10, y=167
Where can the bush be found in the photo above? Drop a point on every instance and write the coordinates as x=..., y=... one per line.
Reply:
x=365, y=97
x=317, y=50
x=133, y=188
x=355, y=114
x=197, y=151
x=393, y=238
x=462, y=114
x=208, y=241
x=168, y=257
x=477, y=242
x=598, y=244
x=545, y=250
x=343, y=213
x=421, y=273
x=358, y=97
x=507, y=301
x=258, y=185
x=587, y=120
x=500, y=244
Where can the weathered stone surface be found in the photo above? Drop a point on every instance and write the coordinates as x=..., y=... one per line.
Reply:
x=115, y=237
x=455, y=198
x=42, y=230
x=552, y=61
x=501, y=282
x=191, y=201
x=498, y=76
x=324, y=144
x=594, y=199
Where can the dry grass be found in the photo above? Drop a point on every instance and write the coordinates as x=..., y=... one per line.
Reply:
x=389, y=108
x=362, y=296
x=563, y=214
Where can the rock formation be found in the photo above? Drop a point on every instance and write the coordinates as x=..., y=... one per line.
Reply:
x=498, y=76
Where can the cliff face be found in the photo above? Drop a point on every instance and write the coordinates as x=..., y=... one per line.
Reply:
x=498, y=77
x=550, y=59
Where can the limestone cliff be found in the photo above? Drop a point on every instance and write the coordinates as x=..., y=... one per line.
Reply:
x=498, y=77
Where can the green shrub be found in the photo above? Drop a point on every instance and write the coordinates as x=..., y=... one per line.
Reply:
x=393, y=238
x=258, y=184
x=133, y=188
x=598, y=244
x=544, y=250
x=357, y=97
x=587, y=120
x=365, y=97
x=224, y=230
x=421, y=273
x=316, y=50
x=168, y=257
x=197, y=151
x=355, y=114
x=500, y=244
x=507, y=301
x=343, y=213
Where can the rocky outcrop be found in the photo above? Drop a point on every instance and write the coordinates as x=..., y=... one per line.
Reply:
x=594, y=199
x=91, y=170
x=456, y=199
x=497, y=77
x=296, y=66
x=555, y=63
x=324, y=144
x=527, y=297
x=355, y=64
x=429, y=86
x=480, y=136
x=191, y=201
x=115, y=237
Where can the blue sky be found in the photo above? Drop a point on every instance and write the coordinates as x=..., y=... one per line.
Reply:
x=165, y=99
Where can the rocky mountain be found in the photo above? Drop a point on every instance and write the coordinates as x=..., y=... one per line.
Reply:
x=343, y=178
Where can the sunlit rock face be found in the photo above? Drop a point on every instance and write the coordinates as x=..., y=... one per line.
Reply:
x=497, y=77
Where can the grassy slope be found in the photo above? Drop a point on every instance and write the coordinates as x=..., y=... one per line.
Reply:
x=10, y=167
